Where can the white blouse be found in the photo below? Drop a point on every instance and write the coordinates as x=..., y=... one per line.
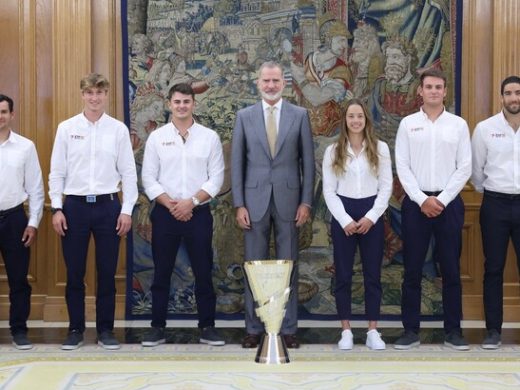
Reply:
x=359, y=181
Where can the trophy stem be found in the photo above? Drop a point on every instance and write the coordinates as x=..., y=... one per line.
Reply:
x=272, y=350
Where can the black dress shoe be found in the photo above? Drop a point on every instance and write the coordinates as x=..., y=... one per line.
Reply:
x=251, y=341
x=291, y=341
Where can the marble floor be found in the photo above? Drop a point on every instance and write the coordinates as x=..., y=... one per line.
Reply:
x=182, y=363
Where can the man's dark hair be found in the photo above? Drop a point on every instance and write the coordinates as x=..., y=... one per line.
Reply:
x=183, y=88
x=10, y=103
x=509, y=80
x=437, y=73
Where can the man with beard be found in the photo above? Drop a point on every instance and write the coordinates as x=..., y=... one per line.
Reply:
x=395, y=94
x=272, y=176
x=20, y=180
x=496, y=172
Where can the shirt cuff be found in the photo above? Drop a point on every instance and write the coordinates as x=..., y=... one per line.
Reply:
x=345, y=220
x=444, y=198
x=420, y=198
x=126, y=209
x=211, y=190
x=57, y=203
x=153, y=192
x=33, y=222
x=372, y=215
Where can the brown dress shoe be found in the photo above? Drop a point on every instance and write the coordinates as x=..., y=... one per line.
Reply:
x=251, y=341
x=291, y=341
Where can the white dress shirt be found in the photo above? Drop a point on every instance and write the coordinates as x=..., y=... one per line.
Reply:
x=359, y=181
x=21, y=177
x=276, y=112
x=433, y=156
x=180, y=169
x=496, y=156
x=93, y=159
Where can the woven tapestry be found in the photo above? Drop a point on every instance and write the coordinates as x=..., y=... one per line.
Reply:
x=330, y=51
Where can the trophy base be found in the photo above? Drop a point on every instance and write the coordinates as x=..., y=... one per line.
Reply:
x=272, y=350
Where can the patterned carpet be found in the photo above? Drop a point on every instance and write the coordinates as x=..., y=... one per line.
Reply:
x=314, y=366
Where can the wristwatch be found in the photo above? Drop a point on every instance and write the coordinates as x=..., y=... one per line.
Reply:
x=195, y=201
x=54, y=211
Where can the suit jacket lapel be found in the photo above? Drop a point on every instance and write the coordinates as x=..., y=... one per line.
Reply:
x=286, y=119
x=258, y=123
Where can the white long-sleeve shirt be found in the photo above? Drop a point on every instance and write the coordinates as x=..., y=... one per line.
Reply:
x=433, y=156
x=496, y=156
x=93, y=159
x=21, y=177
x=180, y=169
x=358, y=181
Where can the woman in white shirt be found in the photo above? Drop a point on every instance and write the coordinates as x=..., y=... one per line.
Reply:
x=357, y=183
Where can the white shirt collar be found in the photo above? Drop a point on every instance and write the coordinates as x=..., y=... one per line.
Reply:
x=85, y=119
x=278, y=105
x=11, y=138
x=188, y=130
x=426, y=115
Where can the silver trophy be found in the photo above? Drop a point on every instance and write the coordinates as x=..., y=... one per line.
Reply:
x=269, y=281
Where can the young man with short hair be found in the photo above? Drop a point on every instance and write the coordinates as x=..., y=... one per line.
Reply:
x=91, y=161
x=433, y=160
x=183, y=168
x=20, y=179
x=496, y=173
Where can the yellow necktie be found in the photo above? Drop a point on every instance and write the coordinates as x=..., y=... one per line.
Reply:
x=271, y=129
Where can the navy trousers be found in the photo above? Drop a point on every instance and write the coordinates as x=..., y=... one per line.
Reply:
x=499, y=221
x=16, y=259
x=100, y=220
x=417, y=231
x=371, y=247
x=197, y=233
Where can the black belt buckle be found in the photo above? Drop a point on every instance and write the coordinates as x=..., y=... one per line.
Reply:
x=90, y=198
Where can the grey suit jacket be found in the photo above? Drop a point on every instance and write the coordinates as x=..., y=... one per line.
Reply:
x=289, y=176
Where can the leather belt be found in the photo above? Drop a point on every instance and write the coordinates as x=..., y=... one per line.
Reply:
x=502, y=195
x=94, y=198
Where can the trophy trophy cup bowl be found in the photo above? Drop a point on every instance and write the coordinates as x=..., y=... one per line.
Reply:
x=269, y=281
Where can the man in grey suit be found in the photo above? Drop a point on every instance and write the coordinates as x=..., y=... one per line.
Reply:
x=272, y=173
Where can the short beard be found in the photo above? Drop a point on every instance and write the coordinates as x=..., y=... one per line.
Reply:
x=271, y=97
x=511, y=111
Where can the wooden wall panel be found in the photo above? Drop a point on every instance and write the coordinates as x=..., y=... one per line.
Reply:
x=506, y=40
x=49, y=45
x=506, y=62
